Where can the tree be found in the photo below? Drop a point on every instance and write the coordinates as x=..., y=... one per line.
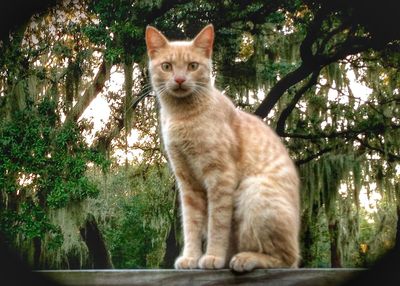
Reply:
x=44, y=158
x=42, y=168
x=293, y=63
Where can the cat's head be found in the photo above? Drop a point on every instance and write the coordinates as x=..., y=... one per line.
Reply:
x=180, y=68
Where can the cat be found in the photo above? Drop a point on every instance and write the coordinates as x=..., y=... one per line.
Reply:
x=239, y=189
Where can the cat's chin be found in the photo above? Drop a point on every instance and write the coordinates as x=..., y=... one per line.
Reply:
x=180, y=92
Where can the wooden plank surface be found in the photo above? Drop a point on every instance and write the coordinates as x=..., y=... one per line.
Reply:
x=272, y=277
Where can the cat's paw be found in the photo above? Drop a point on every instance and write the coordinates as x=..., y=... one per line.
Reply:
x=243, y=262
x=211, y=262
x=186, y=262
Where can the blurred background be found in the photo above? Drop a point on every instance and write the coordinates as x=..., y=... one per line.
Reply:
x=84, y=181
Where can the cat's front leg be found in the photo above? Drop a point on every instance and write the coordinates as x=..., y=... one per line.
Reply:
x=220, y=208
x=193, y=204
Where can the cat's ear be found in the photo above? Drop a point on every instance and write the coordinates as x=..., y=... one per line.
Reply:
x=155, y=40
x=205, y=40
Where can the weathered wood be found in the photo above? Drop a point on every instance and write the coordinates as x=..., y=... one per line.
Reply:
x=271, y=277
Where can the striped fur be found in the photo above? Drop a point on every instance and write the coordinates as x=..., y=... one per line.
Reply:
x=238, y=186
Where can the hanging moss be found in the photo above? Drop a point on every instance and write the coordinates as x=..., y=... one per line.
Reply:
x=321, y=180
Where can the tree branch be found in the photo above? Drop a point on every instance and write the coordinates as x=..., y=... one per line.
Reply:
x=280, y=126
x=313, y=62
x=103, y=142
x=90, y=93
x=351, y=133
x=280, y=87
x=391, y=157
x=312, y=34
x=313, y=156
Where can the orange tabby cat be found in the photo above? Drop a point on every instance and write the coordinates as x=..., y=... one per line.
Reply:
x=238, y=186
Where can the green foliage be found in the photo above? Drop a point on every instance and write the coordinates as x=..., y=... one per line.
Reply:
x=376, y=233
x=316, y=247
x=134, y=240
x=30, y=222
x=121, y=28
x=42, y=166
x=135, y=209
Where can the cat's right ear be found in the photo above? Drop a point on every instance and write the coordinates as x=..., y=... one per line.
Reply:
x=155, y=40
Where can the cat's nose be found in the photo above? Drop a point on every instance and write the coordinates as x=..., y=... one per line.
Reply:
x=179, y=79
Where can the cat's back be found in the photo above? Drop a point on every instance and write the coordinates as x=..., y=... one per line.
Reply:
x=262, y=150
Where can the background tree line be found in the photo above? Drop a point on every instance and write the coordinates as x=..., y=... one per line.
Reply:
x=78, y=194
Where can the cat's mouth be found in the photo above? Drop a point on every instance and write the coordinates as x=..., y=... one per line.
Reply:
x=180, y=89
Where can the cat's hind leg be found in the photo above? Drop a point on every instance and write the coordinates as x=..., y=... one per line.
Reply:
x=266, y=226
x=247, y=261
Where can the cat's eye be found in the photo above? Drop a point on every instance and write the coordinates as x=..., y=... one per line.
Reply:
x=193, y=66
x=167, y=67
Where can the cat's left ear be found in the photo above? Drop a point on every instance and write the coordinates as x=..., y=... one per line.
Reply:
x=205, y=40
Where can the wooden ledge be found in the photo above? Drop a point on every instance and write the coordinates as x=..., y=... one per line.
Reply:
x=272, y=277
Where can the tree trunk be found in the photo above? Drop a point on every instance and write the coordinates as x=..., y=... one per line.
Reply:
x=90, y=93
x=172, y=250
x=37, y=250
x=99, y=256
x=307, y=256
x=308, y=237
x=128, y=85
x=397, y=241
x=336, y=260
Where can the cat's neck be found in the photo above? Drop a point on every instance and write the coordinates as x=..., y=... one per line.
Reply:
x=189, y=105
